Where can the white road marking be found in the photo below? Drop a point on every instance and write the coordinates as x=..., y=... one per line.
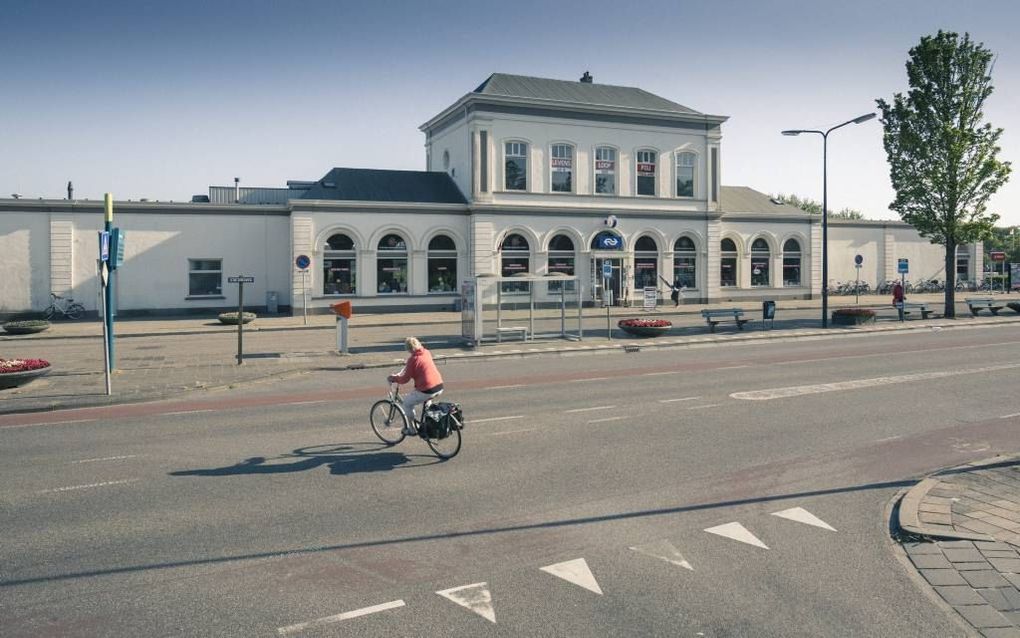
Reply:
x=35, y=425
x=180, y=412
x=734, y=367
x=1009, y=416
x=476, y=597
x=609, y=418
x=510, y=432
x=505, y=387
x=590, y=379
x=889, y=438
x=494, y=418
x=856, y=384
x=656, y=374
x=293, y=629
x=702, y=407
x=737, y=532
x=107, y=458
x=664, y=550
x=597, y=407
x=309, y=402
x=85, y=487
x=675, y=400
x=575, y=571
x=801, y=515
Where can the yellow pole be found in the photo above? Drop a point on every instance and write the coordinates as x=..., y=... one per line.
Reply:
x=108, y=205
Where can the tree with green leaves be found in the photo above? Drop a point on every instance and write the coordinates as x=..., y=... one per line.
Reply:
x=942, y=156
x=815, y=208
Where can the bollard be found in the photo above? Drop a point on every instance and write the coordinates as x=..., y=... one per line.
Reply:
x=343, y=312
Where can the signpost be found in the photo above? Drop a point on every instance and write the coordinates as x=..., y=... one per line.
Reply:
x=858, y=260
x=303, y=262
x=240, y=280
x=999, y=271
x=903, y=267
x=650, y=300
x=607, y=294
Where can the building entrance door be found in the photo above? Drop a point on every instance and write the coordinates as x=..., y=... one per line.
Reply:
x=615, y=281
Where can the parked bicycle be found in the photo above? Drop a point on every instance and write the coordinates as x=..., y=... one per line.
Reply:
x=64, y=306
x=440, y=424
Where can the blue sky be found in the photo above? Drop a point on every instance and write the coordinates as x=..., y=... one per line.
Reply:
x=162, y=99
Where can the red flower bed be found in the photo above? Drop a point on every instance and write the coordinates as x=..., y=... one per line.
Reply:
x=644, y=323
x=22, y=365
x=853, y=312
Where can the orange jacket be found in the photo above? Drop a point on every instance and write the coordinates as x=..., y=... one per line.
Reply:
x=422, y=369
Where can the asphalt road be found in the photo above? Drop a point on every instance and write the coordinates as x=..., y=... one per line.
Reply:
x=274, y=511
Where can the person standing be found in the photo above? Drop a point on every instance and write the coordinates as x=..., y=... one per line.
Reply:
x=897, y=298
x=674, y=291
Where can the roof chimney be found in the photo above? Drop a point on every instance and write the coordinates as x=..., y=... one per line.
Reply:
x=587, y=78
x=70, y=191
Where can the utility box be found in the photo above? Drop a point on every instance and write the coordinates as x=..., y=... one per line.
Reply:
x=272, y=302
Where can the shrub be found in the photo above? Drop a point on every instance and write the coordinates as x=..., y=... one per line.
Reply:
x=231, y=318
x=1014, y=306
x=22, y=365
x=26, y=326
x=644, y=323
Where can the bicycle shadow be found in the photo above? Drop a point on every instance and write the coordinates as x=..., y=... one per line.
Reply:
x=342, y=459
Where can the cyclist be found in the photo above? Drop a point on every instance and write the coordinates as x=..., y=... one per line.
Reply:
x=428, y=383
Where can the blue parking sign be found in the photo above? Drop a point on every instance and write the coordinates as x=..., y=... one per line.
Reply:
x=607, y=270
x=903, y=266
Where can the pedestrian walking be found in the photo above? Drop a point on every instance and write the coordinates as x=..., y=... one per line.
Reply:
x=675, y=290
x=897, y=298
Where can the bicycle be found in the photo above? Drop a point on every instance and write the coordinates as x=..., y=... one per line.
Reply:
x=65, y=306
x=389, y=422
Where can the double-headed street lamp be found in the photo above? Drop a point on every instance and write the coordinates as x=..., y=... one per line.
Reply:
x=825, y=205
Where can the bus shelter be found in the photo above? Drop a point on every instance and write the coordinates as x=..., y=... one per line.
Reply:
x=496, y=309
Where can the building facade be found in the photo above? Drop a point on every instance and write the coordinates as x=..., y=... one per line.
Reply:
x=524, y=175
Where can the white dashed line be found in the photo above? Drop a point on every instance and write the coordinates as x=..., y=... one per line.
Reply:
x=675, y=400
x=35, y=425
x=657, y=374
x=702, y=407
x=320, y=622
x=495, y=418
x=309, y=402
x=180, y=412
x=611, y=418
x=733, y=367
x=1009, y=416
x=85, y=487
x=505, y=387
x=510, y=432
x=597, y=407
x=590, y=379
x=107, y=458
x=888, y=438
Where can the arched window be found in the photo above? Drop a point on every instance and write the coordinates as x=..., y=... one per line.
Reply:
x=391, y=265
x=515, y=166
x=791, y=263
x=685, y=263
x=646, y=263
x=727, y=263
x=760, y=258
x=561, y=166
x=515, y=258
x=645, y=169
x=442, y=264
x=963, y=264
x=685, y=174
x=562, y=259
x=605, y=171
x=339, y=266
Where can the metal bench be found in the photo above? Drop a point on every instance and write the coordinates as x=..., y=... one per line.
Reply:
x=713, y=317
x=511, y=330
x=920, y=307
x=978, y=304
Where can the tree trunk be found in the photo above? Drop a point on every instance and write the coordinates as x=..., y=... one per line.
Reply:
x=950, y=311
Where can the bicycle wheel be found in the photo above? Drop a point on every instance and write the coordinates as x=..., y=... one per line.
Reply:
x=449, y=447
x=388, y=421
x=75, y=311
x=49, y=312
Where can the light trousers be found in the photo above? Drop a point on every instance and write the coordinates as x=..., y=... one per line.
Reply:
x=413, y=398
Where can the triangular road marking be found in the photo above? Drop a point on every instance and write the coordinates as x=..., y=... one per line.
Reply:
x=664, y=550
x=801, y=515
x=575, y=571
x=476, y=597
x=737, y=532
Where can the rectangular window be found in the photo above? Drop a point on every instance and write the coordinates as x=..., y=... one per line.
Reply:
x=685, y=175
x=759, y=271
x=646, y=173
x=605, y=171
x=791, y=271
x=205, y=277
x=391, y=274
x=728, y=271
x=339, y=276
x=516, y=166
x=442, y=274
x=563, y=264
x=685, y=271
x=561, y=163
x=484, y=160
x=646, y=272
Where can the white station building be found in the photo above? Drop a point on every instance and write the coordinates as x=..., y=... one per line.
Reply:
x=523, y=175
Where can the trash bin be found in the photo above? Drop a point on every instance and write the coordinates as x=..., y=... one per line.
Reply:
x=272, y=302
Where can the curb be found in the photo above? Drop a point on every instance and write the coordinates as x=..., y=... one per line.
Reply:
x=910, y=519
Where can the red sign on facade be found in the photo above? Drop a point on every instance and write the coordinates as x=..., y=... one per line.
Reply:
x=605, y=165
x=646, y=169
x=998, y=255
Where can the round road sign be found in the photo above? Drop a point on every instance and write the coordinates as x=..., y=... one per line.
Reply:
x=303, y=261
x=858, y=259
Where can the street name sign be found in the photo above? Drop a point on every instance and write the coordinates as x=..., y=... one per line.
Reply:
x=241, y=280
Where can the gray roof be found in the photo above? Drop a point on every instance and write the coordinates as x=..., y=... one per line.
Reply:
x=576, y=92
x=371, y=185
x=741, y=199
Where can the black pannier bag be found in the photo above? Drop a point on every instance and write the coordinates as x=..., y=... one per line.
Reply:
x=442, y=418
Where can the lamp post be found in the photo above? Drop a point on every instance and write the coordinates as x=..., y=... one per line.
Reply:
x=825, y=205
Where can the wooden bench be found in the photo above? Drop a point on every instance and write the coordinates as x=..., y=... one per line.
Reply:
x=920, y=307
x=712, y=317
x=511, y=330
x=978, y=304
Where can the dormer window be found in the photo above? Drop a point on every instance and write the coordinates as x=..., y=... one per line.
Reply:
x=561, y=163
x=516, y=166
x=685, y=174
x=605, y=171
x=646, y=172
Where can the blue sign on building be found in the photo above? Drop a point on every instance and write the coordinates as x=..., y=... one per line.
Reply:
x=608, y=241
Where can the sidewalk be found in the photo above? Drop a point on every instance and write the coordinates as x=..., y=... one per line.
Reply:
x=169, y=357
x=969, y=521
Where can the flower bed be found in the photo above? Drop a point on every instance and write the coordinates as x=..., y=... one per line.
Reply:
x=644, y=327
x=30, y=326
x=852, y=316
x=15, y=372
x=231, y=318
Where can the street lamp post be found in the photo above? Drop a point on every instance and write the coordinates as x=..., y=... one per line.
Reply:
x=825, y=205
